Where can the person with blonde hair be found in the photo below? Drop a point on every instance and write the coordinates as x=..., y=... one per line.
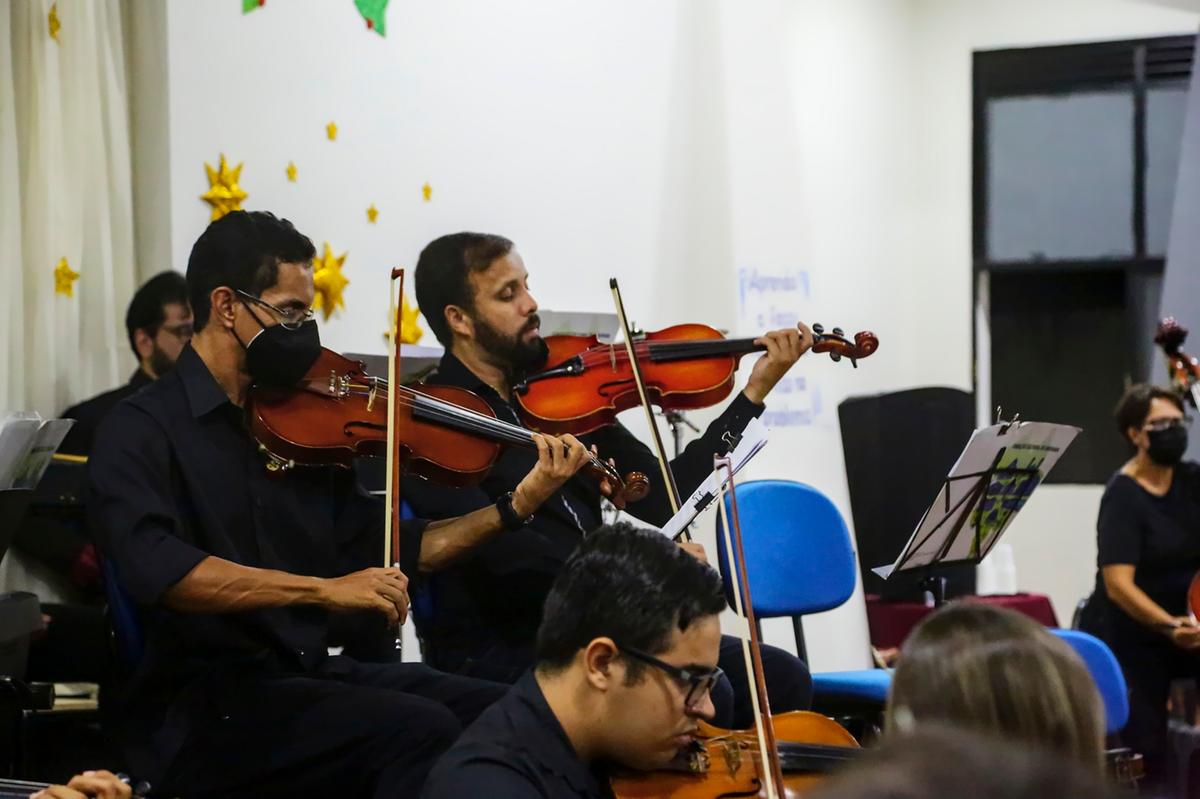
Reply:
x=997, y=672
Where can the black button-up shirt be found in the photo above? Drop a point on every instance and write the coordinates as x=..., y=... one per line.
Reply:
x=493, y=597
x=90, y=413
x=515, y=750
x=175, y=477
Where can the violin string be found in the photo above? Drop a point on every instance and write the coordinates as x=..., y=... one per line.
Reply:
x=468, y=420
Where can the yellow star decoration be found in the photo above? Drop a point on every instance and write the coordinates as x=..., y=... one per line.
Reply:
x=410, y=326
x=329, y=282
x=52, y=19
x=64, y=279
x=427, y=190
x=372, y=213
x=224, y=194
x=331, y=131
x=291, y=172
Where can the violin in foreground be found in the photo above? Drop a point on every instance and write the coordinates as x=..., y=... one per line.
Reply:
x=446, y=434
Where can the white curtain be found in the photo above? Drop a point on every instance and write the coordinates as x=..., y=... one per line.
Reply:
x=65, y=192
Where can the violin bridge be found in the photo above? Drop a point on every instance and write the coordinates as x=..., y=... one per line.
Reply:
x=733, y=757
x=612, y=356
x=371, y=395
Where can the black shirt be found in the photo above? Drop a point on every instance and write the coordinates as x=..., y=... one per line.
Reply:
x=89, y=413
x=494, y=596
x=174, y=477
x=515, y=750
x=1160, y=536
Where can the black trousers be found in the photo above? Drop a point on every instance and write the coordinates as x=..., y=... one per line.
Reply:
x=1149, y=669
x=350, y=730
x=789, y=684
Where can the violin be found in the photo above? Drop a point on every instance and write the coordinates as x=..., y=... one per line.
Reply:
x=727, y=763
x=683, y=367
x=1183, y=369
x=445, y=434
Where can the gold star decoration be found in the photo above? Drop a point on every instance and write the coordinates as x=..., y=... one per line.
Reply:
x=329, y=282
x=52, y=19
x=427, y=191
x=291, y=172
x=372, y=213
x=224, y=194
x=410, y=326
x=331, y=131
x=64, y=279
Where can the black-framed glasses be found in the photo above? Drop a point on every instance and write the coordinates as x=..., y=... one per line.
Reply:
x=697, y=683
x=1166, y=424
x=182, y=331
x=290, y=318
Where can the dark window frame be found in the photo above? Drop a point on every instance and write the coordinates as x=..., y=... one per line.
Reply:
x=1065, y=69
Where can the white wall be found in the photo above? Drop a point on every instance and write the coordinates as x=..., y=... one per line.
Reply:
x=669, y=144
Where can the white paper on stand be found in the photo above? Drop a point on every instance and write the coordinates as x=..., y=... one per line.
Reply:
x=754, y=438
x=45, y=444
x=1022, y=445
x=17, y=433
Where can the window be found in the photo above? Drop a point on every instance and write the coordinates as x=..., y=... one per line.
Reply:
x=1076, y=149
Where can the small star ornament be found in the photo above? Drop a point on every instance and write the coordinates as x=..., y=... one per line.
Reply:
x=410, y=324
x=372, y=213
x=328, y=282
x=64, y=279
x=224, y=194
x=291, y=172
x=52, y=21
x=331, y=131
x=427, y=192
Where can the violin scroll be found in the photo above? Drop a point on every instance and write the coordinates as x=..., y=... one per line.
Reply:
x=1184, y=370
x=838, y=346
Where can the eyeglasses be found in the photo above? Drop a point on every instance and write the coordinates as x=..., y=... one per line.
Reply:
x=290, y=318
x=1158, y=425
x=697, y=683
x=183, y=331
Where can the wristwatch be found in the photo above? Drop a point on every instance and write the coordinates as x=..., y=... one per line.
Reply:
x=508, y=516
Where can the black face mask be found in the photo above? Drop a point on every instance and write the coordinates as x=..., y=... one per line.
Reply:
x=1167, y=445
x=279, y=357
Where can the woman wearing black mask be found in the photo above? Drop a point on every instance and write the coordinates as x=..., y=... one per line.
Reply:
x=1148, y=552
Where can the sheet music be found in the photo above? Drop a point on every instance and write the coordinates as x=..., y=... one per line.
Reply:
x=1024, y=445
x=45, y=444
x=754, y=438
x=17, y=433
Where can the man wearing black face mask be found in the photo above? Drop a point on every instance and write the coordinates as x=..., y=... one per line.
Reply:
x=236, y=571
x=1148, y=552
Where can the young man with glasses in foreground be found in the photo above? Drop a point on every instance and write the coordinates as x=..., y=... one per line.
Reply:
x=626, y=656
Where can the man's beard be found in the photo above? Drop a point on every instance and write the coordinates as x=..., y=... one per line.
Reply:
x=160, y=362
x=512, y=353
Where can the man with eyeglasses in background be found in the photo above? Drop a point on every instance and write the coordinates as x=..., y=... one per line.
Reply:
x=159, y=324
x=54, y=535
x=626, y=657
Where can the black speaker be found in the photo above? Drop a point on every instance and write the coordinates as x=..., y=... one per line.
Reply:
x=898, y=449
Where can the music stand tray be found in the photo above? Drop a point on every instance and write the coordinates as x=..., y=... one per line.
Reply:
x=990, y=482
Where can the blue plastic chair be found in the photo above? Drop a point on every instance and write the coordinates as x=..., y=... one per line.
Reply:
x=799, y=560
x=1106, y=673
x=128, y=637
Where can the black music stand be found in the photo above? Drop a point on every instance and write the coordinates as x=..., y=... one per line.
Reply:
x=974, y=506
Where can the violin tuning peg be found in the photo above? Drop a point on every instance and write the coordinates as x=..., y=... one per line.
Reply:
x=837, y=331
x=835, y=356
x=818, y=328
x=854, y=362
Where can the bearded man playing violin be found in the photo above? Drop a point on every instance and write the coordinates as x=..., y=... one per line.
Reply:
x=626, y=657
x=236, y=571
x=483, y=612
